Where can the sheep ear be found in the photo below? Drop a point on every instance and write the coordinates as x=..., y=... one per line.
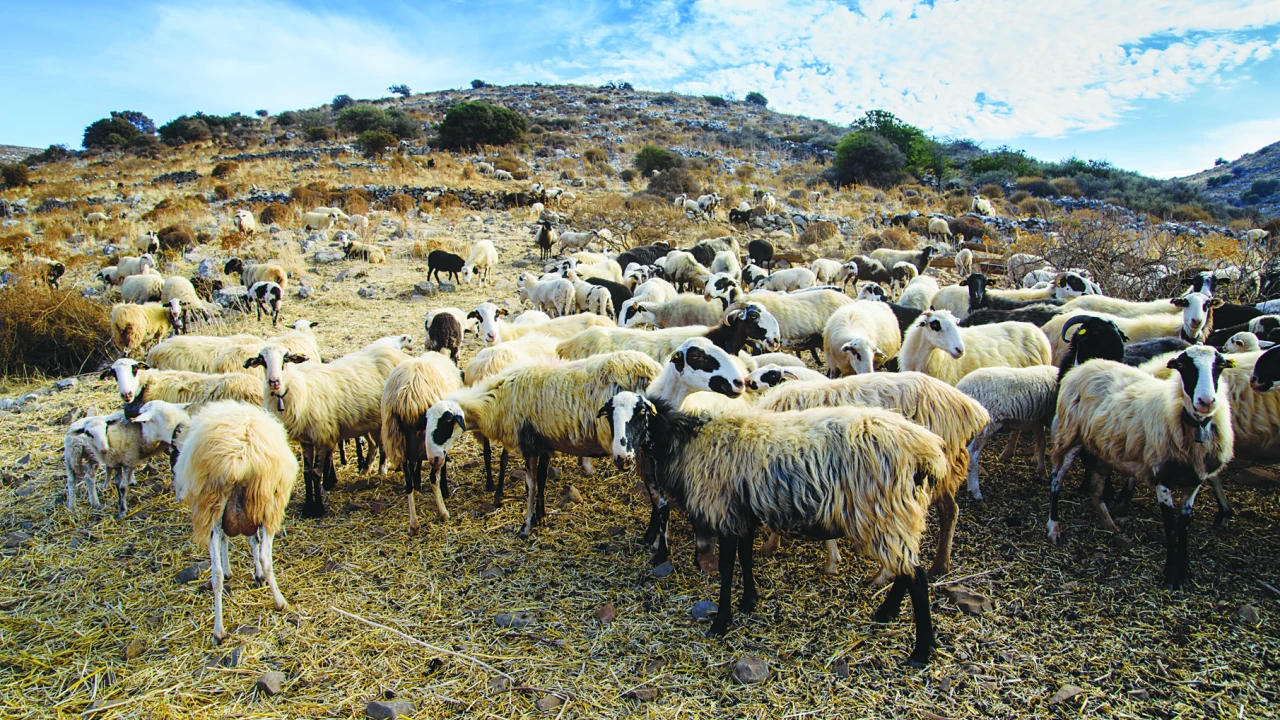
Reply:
x=649, y=406
x=678, y=361
x=1174, y=362
x=460, y=421
x=503, y=312
x=255, y=361
x=1228, y=363
x=296, y=358
x=881, y=356
x=141, y=366
x=144, y=417
x=1180, y=301
x=1123, y=337
x=606, y=410
x=106, y=372
x=1215, y=303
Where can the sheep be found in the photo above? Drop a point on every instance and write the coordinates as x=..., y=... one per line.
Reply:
x=1037, y=314
x=1266, y=372
x=193, y=353
x=704, y=251
x=768, y=203
x=752, y=274
x=1120, y=307
x=982, y=206
x=336, y=211
x=937, y=347
x=652, y=290
x=573, y=241
x=468, y=324
x=919, y=292
x=545, y=237
x=96, y=217
x=354, y=249
x=319, y=220
x=81, y=456
x=684, y=271
x=538, y=410
x=803, y=317
x=873, y=291
x=1266, y=327
x=123, y=449
x=739, y=216
x=235, y=471
x=740, y=324
x=267, y=296
x=939, y=227
x=771, y=375
x=1172, y=434
x=484, y=168
x=643, y=255
x=600, y=302
x=133, y=326
x=109, y=275
x=536, y=209
x=786, y=280
x=503, y=175
x=444, y=332
x=859, y=336
x=481, y=260
x=827, y=272
x=554, y=297
x=680, y=311
x=323, y=404
x=359, y=224
x=708, y=203
x=1017, y=399
x=438, y=260
x=581, y=289
x=618, y=293
x=972, y=293
x=635, y=274
x=725, y=262
x=179, y=295
x=138, y=384
x=902, y=273
x=245, y=222
x=140, y=289
x=129, y=265
x=964, y=262
x=889, y=258
x=496, y=331
x=1192, y=325
x=1245, y=342
x=869, y=269
x=760, y=252
x=252, y=273
x=830, y=472
x=299, y=340
x=147, y=244
x=409, y=392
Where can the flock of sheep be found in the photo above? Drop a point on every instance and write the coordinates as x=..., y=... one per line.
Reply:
x=686, y=364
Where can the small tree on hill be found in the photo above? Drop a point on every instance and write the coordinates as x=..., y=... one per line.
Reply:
x=361, y=118
x=342, y=102
x=869, y=159
x=136, y=119
x=115, y=131
x=477, y=84
x=652, y=158
x=402, y=90
x=375, y=142
x=756, y=98
x=472, y=124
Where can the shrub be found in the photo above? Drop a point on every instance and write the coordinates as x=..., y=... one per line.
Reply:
x=341, y=102
x=176, y=238
x=819, y=231
x=627, y=175
x=373, y=143
x=275, y=213
x=915, y=202
x=508, y=163
x=756, y=98
x=232, y=240
x=1215, y=181
x=1273, y=226
x=224, y=168
x=596, y=156
x=402, y=90
x=261, y=113
x=869, y=159
x=1264, y=188
x=1037, y=186
x=673, y=181
x=477, y=84
x=597, y=100
x=1191, y=213
x=53, y=153
x=715, y=100
x=1066, y=186
x=536, y=130
x=56, y=332
x=318, y=134
x=185, y=129
x=1035, y=207
x=472, y=124
x=222, y=192
x=352, y=202
x=400, y=203
x=306, y=197
x=1018, y=196
x=991, y=190
x=744, y=172
x=957, y=206
x=287, y=118
x=361, y=118
x=652, y=158
x=114, y=131
x=402, y=125
x=15, y=174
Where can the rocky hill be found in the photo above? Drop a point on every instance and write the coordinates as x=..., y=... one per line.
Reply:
x=1253, y=179
x=14, y=153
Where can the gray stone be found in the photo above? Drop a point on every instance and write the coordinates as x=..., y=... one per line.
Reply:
x=703, y=610
x=548, y=703
x=89, y=291
x=324, y=257
x=71, y=416
x=367, y=292
x=26, y=490
x=1065, y=693
x=663, y=570
x=191, y=572
x=232, y=296
x=493, y=573
x=208, y=268
x=513, y=620
x=425, y=289
x=270, y=683
x=387, y=709
x=1248, y=615
x=65, y=383
x=304, y=292
x=750, y=670
x=23, y=461
x=448, y=287
x=16, y=540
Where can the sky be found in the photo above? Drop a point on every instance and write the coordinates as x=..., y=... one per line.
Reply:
x=1159, y=86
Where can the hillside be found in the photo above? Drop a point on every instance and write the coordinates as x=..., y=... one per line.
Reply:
x=15, y=153
x=1251, y=179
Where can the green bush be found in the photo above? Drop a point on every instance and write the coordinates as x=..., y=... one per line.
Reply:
x=402, y=125
x=1037, y=186
x=341, y=102
x=1215, y=181
x=15, y=174
x=53, y=153
x=375, y=142
x=472, y=124
x=715, y=100
x=1265, y=188
x=596, y=156
x=402, y=90
x=185, y=129
x=478, y=84
x=287, y=118
x=361, y=118
x=318, y=134
x=114, y=131
x=652, y=158
x=756, y=98
x=869, y=159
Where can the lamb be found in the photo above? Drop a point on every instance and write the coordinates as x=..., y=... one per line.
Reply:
x=982, y=206
x=139, y=289
x=830, y=472
x=138, y=384
x=319, y=220
x=869, y=269
x=410, y=391
x=1017, y=399
x=438, y=260
x=545, y=237
x=267, y=296
x=444, y=332
x=573, y=241
x=123, y=449
x=600, y=302
x=889, y=258
x=245, y=222
x=323, y=404
x=373, y=254
x=826, y=271
x=252, y=273
x=538, y=410
x=919, y=292
x=787, y=280
x=359, y=224
x=129, y=265
x=771, y=375
x=468, y=324
x=133, y=326
x=554, y=297
x=678, y=312
x=964, y=262
x=236, y=472
x=684, y=271
x=1172, y=434
x=902, y=273
x=481, y=260
x=1245, y=342
x=496, y=331
x=859, y=336
x=726, y=263
x=937, y=347
x=618, y=293
x=938, y=227
x=82, y=457
x=503, y=175
x=109, y=275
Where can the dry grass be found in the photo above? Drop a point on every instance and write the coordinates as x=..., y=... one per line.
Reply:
x=54, y=332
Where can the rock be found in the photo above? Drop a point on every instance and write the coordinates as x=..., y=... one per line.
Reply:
x=499, y=684
x=642, y=694
x=134, y=649
x=842, y=668
x=548, y=703
x=617, y=531
x=426, y=289
x=570, y=496
x=1006, y=656
x=703, y=610
x=448, y=287
x=493, y=573
x=270, y=683
x=1248, y=615
x=26, y=490
x=65, y=383
x=969, y=602
x=1065, y=693
x=228, y=660
x=208, y=268
x=654, y=666
x=386, y=709
x=71, y=416
x=377, y=507
x=16, y=540
x=245, y=630
x=232, y=296
x=303, y=292
x=89, y=291
x=192, y=572
x=606, y=614
x=324, y=257
x=367, y=292
x=663, y=570
x=23, y=461
x=750, y=670
x=331, y=566
x=513, y=620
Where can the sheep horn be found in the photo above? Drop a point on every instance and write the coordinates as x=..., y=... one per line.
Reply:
x=1075, y=320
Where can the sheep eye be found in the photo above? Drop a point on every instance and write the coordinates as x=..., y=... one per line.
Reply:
x=935, y=325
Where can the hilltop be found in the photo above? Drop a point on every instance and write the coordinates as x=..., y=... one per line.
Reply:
x=1251, y=179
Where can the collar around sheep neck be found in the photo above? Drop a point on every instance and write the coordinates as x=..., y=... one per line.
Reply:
x=1200, y=428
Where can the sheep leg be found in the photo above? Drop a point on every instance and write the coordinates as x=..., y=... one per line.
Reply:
x=833, y=559
x=488, y=463
x=441, y=510
x=502, y=477
x=530, y=498
x=215, y=581
x=226, y=550
x=412, y=468
x=541, y=511
x=1040, y=445
x=948, y=510
x=330, y=472
x=1055, y=490
x=925, y=639
x=704, y=548
x=255, y=551
x=892, y=603
x=1120, y=502
x=588, y=468
x=1184, y=528
x=1099, y=503
x=746, y=545
x=1224, y=508
x=444, y=491
x=770, y=544
x=656, y=503
x=71, y=487
x=268, y=567
x=342, y=451
x=975, y=453
x=124, y=478
x=363, y=461
x=724, y=614
x=1011, y=446
x=91, y=488
x=1164, y=497
x=313, y=506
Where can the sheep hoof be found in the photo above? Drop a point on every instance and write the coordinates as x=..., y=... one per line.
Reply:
x=918, y=663
x=883, y=615
x=219, y=637
x=523, y=534
x=747, y=605
x=413, y=531
x=717, y=630
x=1222, y=518
x=938, y=570
x=281, y=606
x=312, y=511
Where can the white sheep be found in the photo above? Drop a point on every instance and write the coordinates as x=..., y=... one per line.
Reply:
x=554, y=296
x=82, y=455
x=1017, y=399
x=573, y=241
x=129, y=265
x=919, y=293
x=1256, y=235
x=481, y=260
x=484, y=168
x=788, y=279
x=1245, y=342
x=193, y=353
x=319, y=220
x=936, y=346
x=939, y=227
x=801, y=317
x=503, y=175
x=964, y=261
x=140, y=289
x=683, y=270
x=1192, y=325
x=600, y=302
x=682, y=310
x=902, y=273
x=769, y=203
x=109, y=275
x=299, y=340
x=982, y=206
x=726, y=263
x=138, y=384
x=96, y=217
x=245, y=222
x=359, y=224
x=495, y=330
x=124, y=449
x=859, y=336
x=133, y=326
x=267, y=297
x=889, y=257
x=827, y=271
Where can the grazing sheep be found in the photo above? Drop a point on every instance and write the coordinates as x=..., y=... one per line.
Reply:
x=139, y=384
x=451, y=264
x=680, y=311
x=245, y=222
x=938, y=228
x=860, y=336
x=410, y=391
x=796, y=278
x=760, y=252
x=252, y=273
x=140, y=289
x=109, y=275
x=469, y=325
x=148, y=244
x=81, y=456
x=801, y=317
x=826, y=271
x=684, y=271
x=538, y=410
x=481, y=260
x=725, y=262
x=573, y=241
x=96, y=217
x=319, y=220
x=869, y=269
x=902, y=273
x=889, y=258
x=323, y=404
x=1017, y=399
x=919, y=292
x=133, y=326
x=600, y=302
x=936, y=346
x=1173, y=434
x=359, y=224
x=495, y=330
x=129, y=265
x=354, y=249
x=827, y=473
x=267, y=296
x=444, y=332
x=554, y=297
x=545, y=237
x=739, y=325
x=1192, y=325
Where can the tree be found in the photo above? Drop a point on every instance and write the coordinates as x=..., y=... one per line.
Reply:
x=185, y=129
x=261, y=113
x=401, y=125
x=477, y=84
x=652, y=158
x=756, y=98
x=921, y=153
x=361, y=118
x=114, y=131
x=342, y=102
x=402, y=90
x=867, y=158
x=375, y=142
x=136, y=119
x=472, y=124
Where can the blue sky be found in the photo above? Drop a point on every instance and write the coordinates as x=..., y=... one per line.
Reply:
x=1159, y=86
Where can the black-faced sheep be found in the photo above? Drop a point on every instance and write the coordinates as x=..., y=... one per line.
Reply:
x=545, y=237
x=251, y=273
x=445, y=333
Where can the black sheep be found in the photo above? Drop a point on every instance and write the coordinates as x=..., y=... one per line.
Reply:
x=1266, y=371
x=445, y=332
x=739, y=217
x=761, y=253
x=643, y=255
x=617, y=291
x=440, y=260
x=545, y=239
